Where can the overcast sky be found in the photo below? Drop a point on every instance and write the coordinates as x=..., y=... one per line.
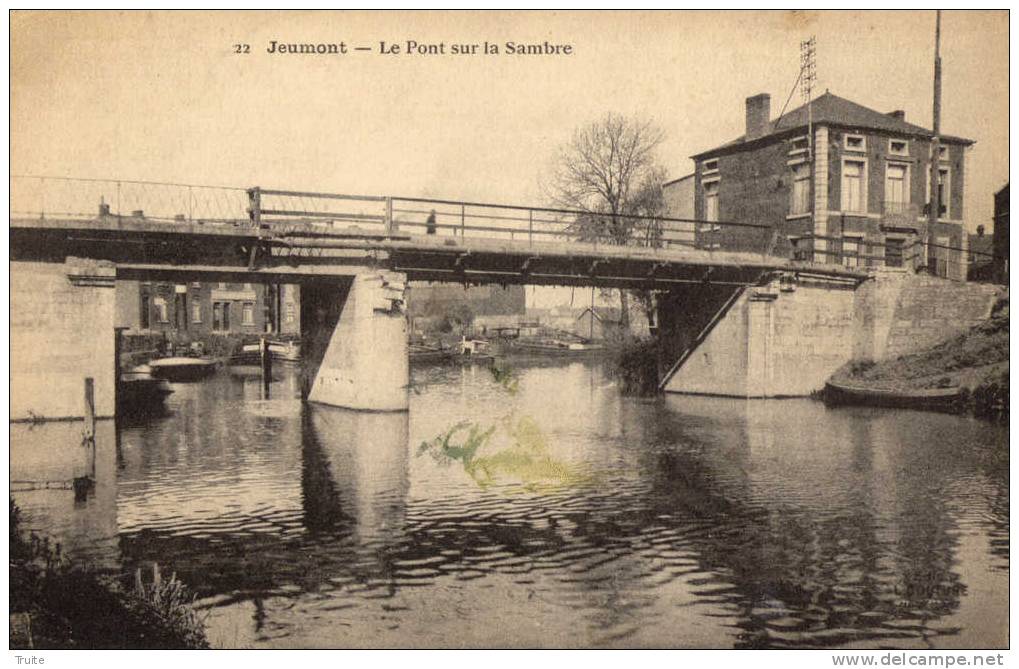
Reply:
x=163, y=97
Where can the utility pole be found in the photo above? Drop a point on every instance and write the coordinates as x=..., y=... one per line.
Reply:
x=934, y=204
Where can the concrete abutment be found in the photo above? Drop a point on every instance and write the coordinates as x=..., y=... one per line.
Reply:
x=786, y=337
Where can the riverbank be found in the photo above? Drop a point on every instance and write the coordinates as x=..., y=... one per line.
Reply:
x=56, y=604
x=975, y=361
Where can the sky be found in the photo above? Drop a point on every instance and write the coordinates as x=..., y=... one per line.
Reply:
x=162, y=96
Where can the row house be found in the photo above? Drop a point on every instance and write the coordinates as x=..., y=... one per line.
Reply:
x=196, y=309
x=855, y=195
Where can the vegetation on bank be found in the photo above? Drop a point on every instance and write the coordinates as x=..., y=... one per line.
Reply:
x=976, y=361
x=56, y=604
x=633, y=362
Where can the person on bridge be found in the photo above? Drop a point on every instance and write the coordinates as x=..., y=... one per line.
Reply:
x=430, y=223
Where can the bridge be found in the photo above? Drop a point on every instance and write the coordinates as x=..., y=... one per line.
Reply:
x=71, y=239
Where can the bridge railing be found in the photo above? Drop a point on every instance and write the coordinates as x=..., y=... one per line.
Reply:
x=68, y=197
x=403, y=216
x=946, y=261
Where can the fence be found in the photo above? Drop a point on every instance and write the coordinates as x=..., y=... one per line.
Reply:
x=65, y=197
x=330, y=214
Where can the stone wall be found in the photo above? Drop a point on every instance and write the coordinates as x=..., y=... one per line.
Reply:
x=62, y=318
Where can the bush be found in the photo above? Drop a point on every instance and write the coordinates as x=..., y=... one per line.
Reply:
x=634, y=363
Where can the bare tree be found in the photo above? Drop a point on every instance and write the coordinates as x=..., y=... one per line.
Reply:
x=609, y=170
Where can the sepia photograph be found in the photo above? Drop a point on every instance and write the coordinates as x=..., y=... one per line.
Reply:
x=515, y=329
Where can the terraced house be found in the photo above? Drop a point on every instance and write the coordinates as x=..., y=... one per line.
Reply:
x=859, y=198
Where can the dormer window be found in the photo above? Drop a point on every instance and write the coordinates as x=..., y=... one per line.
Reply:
x=898, y=147
x=855, y=143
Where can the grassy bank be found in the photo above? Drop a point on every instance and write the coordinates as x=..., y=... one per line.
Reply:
x=55, y=604
x=976, y=361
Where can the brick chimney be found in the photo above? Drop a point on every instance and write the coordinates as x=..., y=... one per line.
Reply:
x=758, y=115
x=898, y=114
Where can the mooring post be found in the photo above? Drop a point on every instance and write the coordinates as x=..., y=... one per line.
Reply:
x=89, y=433
x=266, y=360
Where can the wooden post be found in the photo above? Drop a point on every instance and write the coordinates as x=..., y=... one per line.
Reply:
x=89, y=436
x=266, y=360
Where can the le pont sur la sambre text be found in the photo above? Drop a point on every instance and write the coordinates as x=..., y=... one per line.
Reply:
x=415, y=48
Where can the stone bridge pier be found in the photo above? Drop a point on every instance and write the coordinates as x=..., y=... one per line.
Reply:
x=354, y=342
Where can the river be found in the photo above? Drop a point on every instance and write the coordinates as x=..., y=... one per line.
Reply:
x=537, y=507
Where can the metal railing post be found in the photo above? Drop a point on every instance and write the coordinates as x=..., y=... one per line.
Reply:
x=255, y=206
x=463, y=220
x=530, y=227
x=389, y=216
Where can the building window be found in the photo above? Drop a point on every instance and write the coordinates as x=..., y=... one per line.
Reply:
x=162, y=312
x=942, y=153
x=196, y=284
x=855, y=143
x=291, y=312
x=854, y=183
x=709, y=166
x=799, y=195
x=944, y=192
x=798, y=145
x=196, y=312
x=711, y=201
x=896, y=185
x=851, y=251
x=143, y=313
x=221, y=316
x=898, y=147
x=221, y=285
x=247, y=286
x=248, y=314
x=893, y=252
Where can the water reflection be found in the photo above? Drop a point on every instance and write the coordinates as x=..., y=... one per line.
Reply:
x=597, y=520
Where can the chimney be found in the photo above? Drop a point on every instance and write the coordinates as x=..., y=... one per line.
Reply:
x=758, y=115
x=898, y=114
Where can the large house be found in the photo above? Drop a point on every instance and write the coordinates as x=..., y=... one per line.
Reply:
x=857, y=196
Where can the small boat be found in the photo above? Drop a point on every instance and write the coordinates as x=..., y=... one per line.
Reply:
x=182, y=368
x=139, y=392
x=422, y=353
x=931, y=399
x=556, y=347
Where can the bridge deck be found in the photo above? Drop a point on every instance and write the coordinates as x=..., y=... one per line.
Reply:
x=303, y=250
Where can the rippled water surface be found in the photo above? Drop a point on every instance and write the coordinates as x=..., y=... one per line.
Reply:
x=538, y=507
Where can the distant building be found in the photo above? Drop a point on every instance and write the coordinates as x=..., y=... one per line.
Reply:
x=197, y=309
x=981, y=256
x=1000, y=244
x=490, y=305
x=861, y=201
x=680, y=203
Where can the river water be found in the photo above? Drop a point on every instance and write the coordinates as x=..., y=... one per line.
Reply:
x=537, y=507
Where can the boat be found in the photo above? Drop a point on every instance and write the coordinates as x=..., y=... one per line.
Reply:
x=422, y=353
x=931, y=399
x=140, y=392
x=181, y=368
x=556, y=347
